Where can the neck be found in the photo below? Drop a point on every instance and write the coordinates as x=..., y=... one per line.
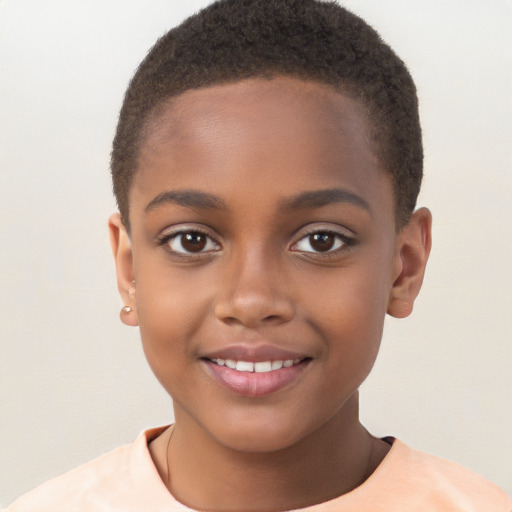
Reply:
x=327, y=463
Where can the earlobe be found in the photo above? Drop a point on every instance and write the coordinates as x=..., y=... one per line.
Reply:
x=122, y=252
x=412, y=252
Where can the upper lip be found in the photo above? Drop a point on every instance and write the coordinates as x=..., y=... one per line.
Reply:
x=254, y=353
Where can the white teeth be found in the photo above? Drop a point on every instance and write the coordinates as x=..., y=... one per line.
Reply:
x=259, y=367
x=276, y=365
x=244, y=366
x=263, y=367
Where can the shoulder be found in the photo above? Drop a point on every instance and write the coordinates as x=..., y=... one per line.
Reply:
x=440, y=484
x=64, y=491
x=124, y=479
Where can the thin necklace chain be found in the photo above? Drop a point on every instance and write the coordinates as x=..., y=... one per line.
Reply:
x=167, y=459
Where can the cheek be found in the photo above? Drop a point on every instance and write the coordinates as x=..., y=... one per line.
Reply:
x=168, y=299
x=168, y=312
x=349, y=313
x=352, y=299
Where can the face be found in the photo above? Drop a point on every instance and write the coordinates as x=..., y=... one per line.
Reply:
x=265, y=256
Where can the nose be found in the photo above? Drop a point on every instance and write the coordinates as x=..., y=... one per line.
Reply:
x=254, y=293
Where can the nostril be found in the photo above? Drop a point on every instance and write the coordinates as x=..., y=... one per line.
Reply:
x=230, y=320
x=251, y=307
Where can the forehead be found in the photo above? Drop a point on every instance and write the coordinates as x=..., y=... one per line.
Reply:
x=284, y=106
x=284, y=134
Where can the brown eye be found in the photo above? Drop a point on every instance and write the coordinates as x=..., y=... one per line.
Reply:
x=193, y=242
x=322, y=242
x=190, y=242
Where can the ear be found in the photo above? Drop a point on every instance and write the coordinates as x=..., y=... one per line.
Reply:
x=122, y=250
x=412, y=251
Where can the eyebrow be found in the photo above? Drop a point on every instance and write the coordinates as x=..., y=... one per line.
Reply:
x=189, y=199
x=319, y=198
x=303, y=201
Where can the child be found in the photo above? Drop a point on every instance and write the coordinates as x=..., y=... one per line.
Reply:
x=266, y=166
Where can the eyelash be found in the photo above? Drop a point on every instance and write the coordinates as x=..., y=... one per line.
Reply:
x=343, y=241
x=167, y=238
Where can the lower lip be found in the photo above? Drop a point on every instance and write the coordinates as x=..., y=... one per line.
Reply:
x=255, y=384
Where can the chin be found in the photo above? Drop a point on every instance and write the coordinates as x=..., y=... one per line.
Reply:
x=263, y=435
x=262, y=443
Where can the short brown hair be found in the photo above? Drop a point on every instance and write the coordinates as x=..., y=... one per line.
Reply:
x=231, y=40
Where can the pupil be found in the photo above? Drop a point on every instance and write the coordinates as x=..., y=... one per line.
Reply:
x=321, y=242
x=193, y=242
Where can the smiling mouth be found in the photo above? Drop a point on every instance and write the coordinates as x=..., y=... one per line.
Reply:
x=257, y=367
x=256, y=378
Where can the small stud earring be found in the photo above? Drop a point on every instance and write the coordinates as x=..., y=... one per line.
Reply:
x=128, y=316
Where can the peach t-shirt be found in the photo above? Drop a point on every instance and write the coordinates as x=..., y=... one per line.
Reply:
x=126, y=480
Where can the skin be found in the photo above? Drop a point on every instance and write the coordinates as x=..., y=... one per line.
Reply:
x=258, y=146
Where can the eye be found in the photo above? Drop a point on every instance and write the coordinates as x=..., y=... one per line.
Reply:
x=322, y=242
x=189, y=242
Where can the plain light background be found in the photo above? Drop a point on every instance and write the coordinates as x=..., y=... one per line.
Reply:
x=73, y=379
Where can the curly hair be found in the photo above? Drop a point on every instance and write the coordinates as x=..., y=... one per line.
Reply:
x=313, y=40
